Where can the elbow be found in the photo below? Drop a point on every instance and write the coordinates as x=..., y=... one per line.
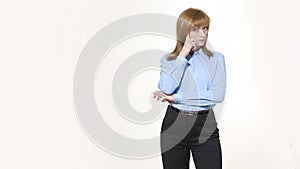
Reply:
x=219, y=96
x=221, y=99
x=218, y=99
x=164, y=88
x=219, y=93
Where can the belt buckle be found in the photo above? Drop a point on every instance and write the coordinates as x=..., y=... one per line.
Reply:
x=190, y=113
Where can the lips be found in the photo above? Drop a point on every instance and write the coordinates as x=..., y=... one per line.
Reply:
x=201, y=40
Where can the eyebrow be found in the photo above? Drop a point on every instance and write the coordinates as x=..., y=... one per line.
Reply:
x=196, y=27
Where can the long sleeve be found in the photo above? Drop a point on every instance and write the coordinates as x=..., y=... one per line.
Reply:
x=215, y=93
x=171, y=73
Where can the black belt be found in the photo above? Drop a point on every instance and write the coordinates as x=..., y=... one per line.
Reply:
x=188, y=112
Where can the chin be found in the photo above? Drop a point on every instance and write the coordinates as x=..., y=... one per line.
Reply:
x=201, y=44
x=198, y=48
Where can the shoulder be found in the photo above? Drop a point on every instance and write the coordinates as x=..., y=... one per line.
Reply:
x=220, y=59
x=165, y=63
x=219, y=56
x=166, y=58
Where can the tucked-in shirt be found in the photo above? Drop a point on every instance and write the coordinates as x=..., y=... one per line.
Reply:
x=197, y=82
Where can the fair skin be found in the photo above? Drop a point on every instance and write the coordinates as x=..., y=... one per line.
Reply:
x=194, y=41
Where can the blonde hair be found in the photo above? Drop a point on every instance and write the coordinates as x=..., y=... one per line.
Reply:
x=187, y=20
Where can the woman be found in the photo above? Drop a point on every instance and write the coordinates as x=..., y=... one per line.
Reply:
x=193, y=81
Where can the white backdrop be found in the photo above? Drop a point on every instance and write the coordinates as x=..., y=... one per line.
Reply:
x=42, y=40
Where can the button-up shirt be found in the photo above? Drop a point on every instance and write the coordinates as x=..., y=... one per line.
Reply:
x=197, y=82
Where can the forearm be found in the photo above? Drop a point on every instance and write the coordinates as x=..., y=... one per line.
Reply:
x=215, y=93
x=204, y=98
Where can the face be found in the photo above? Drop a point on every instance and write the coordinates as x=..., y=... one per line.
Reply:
x=200, y=35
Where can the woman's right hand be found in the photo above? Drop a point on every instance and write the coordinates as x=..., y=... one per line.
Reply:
x=189, y=44
x=166, y=98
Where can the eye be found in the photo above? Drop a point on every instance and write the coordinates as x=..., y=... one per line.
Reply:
x=195, y=28
x=205, y=28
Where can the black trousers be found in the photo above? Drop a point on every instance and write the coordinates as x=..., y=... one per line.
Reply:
x=182, y=134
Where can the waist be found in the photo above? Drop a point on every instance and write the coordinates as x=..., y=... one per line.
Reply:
x=191, y=107
x=193, y=113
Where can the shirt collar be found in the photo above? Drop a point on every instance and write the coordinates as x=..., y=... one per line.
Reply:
x=199, y=51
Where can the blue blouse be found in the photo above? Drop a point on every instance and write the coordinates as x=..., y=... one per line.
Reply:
x=197, y=82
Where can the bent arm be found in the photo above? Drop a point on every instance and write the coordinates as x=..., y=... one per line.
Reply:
x=171, y=74
x=216, y=93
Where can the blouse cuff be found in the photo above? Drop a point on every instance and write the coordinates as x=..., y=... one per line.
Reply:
x=181, y=58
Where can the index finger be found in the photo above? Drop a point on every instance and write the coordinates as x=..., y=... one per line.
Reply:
x=188, y=35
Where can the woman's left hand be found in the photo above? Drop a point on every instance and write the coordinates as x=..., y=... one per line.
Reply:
x=160, y=94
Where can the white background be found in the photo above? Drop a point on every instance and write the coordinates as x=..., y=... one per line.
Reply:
x=42, y=40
